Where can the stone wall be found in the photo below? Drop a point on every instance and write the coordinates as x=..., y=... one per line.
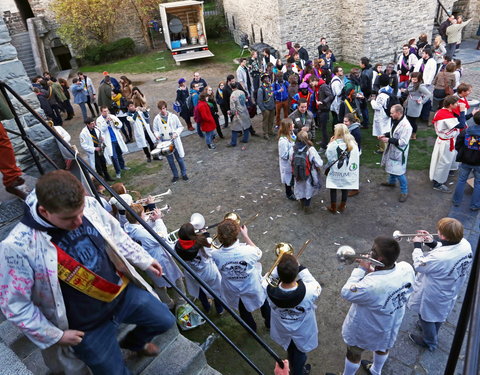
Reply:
x=13, y=73
x=12, y=17
x=354, y=28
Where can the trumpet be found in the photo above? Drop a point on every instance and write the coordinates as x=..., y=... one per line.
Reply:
x=399, y=235
x=156, y=198
x=280, y=250
x=235, y=217
x=165, y=208
x=347, y=255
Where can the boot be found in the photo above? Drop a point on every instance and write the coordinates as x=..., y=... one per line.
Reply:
x=332, y=208
x=342, y=206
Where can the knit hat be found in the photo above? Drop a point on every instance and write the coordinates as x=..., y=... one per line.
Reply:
x=181, y=80
x=303, y=85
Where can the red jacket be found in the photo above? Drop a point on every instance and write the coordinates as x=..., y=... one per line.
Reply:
x=204, y=117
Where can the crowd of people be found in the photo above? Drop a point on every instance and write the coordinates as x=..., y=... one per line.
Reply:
x=77, y=301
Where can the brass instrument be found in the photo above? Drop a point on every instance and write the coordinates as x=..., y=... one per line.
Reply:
x=280, y=250
x=399, y=235
x=165, y=208
x=235, y=217
x=198, y=222
x=347, y=255
x=156, y=198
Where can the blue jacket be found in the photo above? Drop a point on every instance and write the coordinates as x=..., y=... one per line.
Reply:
x=79, y=93
x=280, y=96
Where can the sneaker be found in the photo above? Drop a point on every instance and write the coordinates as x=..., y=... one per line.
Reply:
x=230, y=145
x=212, y=146
x=306, y=369
x=175, y=179
x=378, y=152
x=126, y=168
x=366, y=365
x=403, y=197
x=292, y=197
x=417, y=340
x=149, y=160
x=118, y=175
x=442, y=188
x=387, y=184
x=185, y=178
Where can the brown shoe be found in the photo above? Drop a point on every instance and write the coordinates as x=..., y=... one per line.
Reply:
x=149, y=350
x=352, y=193
x=342, y=206
x=17, y=182
x=387, y=184
x=16, y=191
x=332, y=208
x=403, y=197
x=307, y=210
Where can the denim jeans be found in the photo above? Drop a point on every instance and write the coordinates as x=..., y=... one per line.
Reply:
x=430, y=333
x=199, y=131
x=464, y=172
x=296, y=359
x=83, y=108
x=173, y=167
x=209, y=137
x=450, y=47
x=246, y=134
x=392, y=179
x=365, y=114
x=99, y=348
x=117, y=157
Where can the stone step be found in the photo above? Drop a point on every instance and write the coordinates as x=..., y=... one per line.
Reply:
x=181, y=357
x=207, y=370
x=11, y=364
x=16, y=340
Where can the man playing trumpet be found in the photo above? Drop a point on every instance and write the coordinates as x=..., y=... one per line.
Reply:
x=110, y=126
x=293, y=305
x=378, y=297
x=441, y=273
x=241, y=273
x=138, y=118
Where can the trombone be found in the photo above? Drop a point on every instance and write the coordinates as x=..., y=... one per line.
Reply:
x=198, y=222
x=156, y=198
x=280, y=250
x=236, y=218
x=347, y=255
x=399, y=235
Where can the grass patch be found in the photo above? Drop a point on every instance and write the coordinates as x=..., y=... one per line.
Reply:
x=346, y=66
x=224, y=49
x=139, y=173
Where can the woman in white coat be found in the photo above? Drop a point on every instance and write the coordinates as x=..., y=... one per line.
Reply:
x=379, y=105
x=144, y=137
x=306, y=188
x=344, y=161
x=170, y=269
x=286, y=140
x=195, y=250
x=167, y=127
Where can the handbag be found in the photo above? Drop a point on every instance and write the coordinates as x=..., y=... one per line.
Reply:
x=177, y=107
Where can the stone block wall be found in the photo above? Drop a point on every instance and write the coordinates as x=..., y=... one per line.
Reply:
x=13, y=73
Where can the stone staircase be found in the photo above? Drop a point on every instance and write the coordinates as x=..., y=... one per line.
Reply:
x=21, y=42
x=19, y=356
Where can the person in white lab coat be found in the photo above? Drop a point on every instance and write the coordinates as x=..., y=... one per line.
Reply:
x=379, y=296
x=195, y=249
x=138, y=117
x=441, y=272
x=241, y=271
x=293, y=305
x=170, y=269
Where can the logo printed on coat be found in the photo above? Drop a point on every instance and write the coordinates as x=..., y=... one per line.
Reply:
x=292, y=313
x=398, y=298
x=461, y=267
x=235, y=270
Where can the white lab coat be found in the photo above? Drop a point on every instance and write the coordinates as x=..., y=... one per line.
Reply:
x=116, y=126
x=429, y=71
x=241, y=275
x=67, y=138
x=393, y=159
x=165, y=131
x=378, y=305
x=86, y=143
x=337, y=86
x=150, y=244
x=344, y=174
x=137, y=125
x=442, y=157
x=381, y=123
x=298, y=323
x=412, y=61
x=205, y=268
x=441, y=273
x=284, y=148
x=307, y=189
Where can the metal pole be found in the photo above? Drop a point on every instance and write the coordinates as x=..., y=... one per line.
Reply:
x=463, y=318
x=20, y=126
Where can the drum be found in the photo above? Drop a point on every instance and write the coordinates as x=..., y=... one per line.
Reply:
x=164, y=148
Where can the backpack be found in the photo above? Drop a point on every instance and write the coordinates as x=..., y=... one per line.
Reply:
x=301, y=166
x=190, y=104
x=391, y=101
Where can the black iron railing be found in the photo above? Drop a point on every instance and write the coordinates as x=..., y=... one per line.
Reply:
x=441, y=13
x=87, y=169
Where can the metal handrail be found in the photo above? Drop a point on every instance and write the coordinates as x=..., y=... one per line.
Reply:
x=85, y=166
x=440, y=7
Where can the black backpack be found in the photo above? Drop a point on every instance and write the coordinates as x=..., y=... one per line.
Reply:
x=301, y=166
x=391, y=101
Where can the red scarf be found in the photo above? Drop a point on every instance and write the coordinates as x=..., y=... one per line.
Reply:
x=186, y=244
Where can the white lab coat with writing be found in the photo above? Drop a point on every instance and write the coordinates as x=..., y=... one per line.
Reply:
x=241, y=275
x=344, y=174
x=395, y=158
x=166, y=131
x=138, y=125
x=284, y=148
x=207, y=270
x=86, y=142
x=441, y=273
x=378, y=305
x=116, y=125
